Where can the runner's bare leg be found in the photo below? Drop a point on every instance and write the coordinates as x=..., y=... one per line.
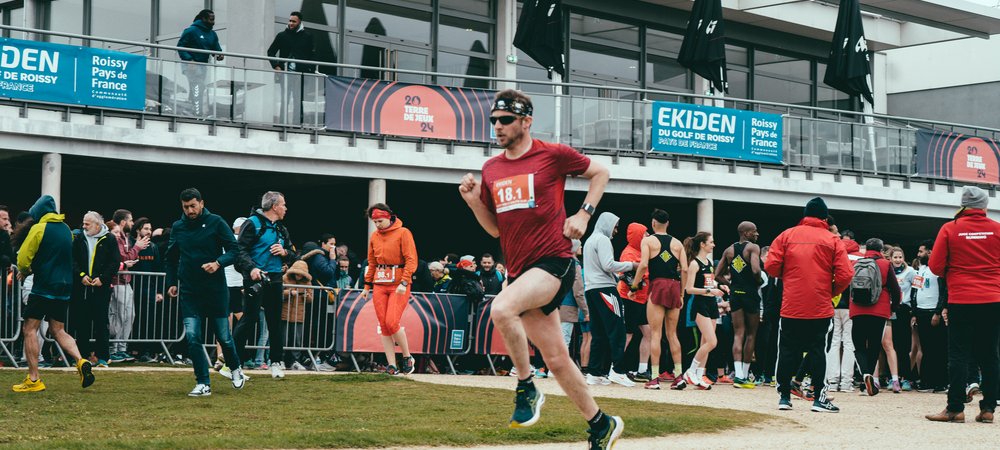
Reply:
x=532, y=290
x=544, y=332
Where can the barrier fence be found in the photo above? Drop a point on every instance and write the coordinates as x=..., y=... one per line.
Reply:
x=318, y=321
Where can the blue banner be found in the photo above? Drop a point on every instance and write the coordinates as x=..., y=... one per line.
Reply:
x=717, y=132
x=69, y=74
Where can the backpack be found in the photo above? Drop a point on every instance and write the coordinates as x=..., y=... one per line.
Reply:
x=866, y=286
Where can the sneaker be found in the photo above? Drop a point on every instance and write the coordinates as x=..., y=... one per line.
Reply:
x=102, y=363
x=219, y=365
x=697, y=383
x=707, y=380
x=228, y=374
x=149, y=359
x=896, y=388
x=640, y=377
x=740, y=383
x=594, y=381
x=239, y=379
x=724, y=379
x=297, y=366
x=871, y=386
x=527, y=407
x=848, y=387
x=127, y=357
x=605, y=439
x=667, y=377
x=541, y=372
x=86, y=371
x=798, y=391
x=984, y=416
x=116, y=357
x=906, y=385
x=785, y=403
x=824, y=406
x=325, y=367
x=678, y=384
x=278, y=370
x=971, y=391
x=29, y=386
x=652, y=384
x=946, y=416
x=620, y=378
x=391, y=370
x=200, y=390
x=179, y=360
x=408, y=365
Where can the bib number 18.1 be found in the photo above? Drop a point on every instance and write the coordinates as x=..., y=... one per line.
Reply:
x=517, y=192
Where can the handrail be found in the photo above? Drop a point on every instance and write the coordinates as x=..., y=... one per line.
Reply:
x=509, y=80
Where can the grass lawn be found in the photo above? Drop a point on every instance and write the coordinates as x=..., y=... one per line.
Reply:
x=152, y=410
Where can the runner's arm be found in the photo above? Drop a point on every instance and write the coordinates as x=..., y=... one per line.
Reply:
x=722, y=270
x=755, y=263
x=678, y=248
x=576, y=225
x=471, y=190
x=643, y=263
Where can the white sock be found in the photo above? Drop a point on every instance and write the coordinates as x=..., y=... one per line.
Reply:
x=700, y=372
x=895, y=378
x=693, y=370
x=738, y=367
x=643, y=367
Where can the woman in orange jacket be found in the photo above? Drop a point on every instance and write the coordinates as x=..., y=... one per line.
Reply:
x=392, y=259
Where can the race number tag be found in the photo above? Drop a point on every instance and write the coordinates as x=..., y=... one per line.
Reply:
x=710, y=281
x=385, y=275
x=918, y=282
x=517, y=192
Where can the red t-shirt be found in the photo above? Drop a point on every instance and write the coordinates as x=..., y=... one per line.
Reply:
x=526, y=194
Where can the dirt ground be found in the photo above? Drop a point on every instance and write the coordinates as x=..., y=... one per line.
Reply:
x=887, y=420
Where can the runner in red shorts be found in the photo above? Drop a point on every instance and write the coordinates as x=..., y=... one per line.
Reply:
x=520, y=201
x=663, y=255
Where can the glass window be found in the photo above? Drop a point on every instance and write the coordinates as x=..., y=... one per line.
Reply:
x=787, y=66
x=15, y=17
x=477, y=7
x=389, y=20
x=464, y=34
x=603, y=62
x=121, y=19
x=662, y=41
x=736, y=56
x=595, y=28
x=63, y=15
x=467, y=65
x=781, y=91
x=737, y=84
x=663, y=72
x=175, y=16
x=319, y=12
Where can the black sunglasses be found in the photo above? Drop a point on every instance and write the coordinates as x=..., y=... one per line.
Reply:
x=506, y=120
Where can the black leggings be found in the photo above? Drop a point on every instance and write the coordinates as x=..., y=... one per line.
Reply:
x=867, y=331
x=90, y=320
x=270, y=297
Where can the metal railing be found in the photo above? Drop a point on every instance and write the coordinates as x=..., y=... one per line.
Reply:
x=617, y=120
x=10, y=311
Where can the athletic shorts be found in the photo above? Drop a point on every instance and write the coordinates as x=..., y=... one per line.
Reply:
x=41, y=308
x=749, y=303
x=704, y=306
x=235, y=300
x=562, y=269
x=665, y=292
x=635, y=316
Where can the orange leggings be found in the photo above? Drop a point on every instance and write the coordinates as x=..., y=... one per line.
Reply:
x=389, y=307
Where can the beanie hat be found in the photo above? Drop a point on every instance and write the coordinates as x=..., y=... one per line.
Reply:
x=974, y=197
x=817, y=208
x=238, y=223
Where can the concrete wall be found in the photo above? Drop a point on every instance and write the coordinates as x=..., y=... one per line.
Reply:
x=970, y=104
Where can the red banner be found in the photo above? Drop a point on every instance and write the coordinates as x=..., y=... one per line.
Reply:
x=435, y=324
x=402, y=109
x=958, y=157
x=488, y=339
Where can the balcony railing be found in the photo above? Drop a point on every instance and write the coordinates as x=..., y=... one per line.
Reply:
x=243, y=89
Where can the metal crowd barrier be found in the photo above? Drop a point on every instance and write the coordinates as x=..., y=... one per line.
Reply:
x=10, y=311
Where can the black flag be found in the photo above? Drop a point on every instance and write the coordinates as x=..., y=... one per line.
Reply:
x=540, y=34
x=704, y=47
x=849, y=68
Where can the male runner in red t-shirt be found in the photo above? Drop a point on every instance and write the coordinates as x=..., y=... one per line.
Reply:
x=520, y=200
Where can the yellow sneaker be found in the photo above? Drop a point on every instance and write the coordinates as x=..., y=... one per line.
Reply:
x=29, y=386
x=86, y=370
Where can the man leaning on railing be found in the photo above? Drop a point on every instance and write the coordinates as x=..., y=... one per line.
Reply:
x=201, y=36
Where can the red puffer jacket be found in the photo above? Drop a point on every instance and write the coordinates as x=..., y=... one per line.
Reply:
x=890, y=296
x=633, y=253
x=813, y=266
x=966, y=253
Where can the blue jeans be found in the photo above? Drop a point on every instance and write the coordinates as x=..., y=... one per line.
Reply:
x=196, y=345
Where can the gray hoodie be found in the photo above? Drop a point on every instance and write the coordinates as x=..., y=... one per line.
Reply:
x=599, y=265
x=92, y=241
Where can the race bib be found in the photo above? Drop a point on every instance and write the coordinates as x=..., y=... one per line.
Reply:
x=709, y=281
x=385, y=275
x=918, y=282
x=517, y=192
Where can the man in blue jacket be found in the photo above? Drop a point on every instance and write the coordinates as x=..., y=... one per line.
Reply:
x=47, y=253
x=195, y=257
x=201, y=36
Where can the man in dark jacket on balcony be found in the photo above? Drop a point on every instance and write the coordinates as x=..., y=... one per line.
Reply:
x=294, y=42
x=200, y=36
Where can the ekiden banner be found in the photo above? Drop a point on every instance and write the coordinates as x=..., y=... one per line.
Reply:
x=59, y=73
x=436, y=324
x=403, y=109
x=958, y=156
x=717, y=132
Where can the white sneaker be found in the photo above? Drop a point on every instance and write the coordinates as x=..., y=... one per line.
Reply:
x=325, y=367
x=594, y=381
x=224, y=371
x=239, y=379
x=200, y=390
x=298, y=366
x=278, y=370
x=620, y=378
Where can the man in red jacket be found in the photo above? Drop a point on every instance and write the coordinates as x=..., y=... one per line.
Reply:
x=965, y=255
x=813, y=266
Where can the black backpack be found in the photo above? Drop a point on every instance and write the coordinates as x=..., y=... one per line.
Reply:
x=467, y=284
x=866, y=286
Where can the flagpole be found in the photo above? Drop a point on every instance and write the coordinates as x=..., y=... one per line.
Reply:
x=868, y=109
x=557, y=90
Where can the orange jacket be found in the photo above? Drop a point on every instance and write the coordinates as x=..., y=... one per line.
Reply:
x=392, y=246
x=633, y=253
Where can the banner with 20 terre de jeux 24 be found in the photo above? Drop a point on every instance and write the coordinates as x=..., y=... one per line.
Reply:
x=717, y=132
x=60, y=73
x=956, y=156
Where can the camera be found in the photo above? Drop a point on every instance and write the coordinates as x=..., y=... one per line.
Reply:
x=258, y=287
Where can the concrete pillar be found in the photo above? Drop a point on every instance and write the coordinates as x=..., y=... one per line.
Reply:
x=506, y=26
x=52, y=176
x=257, y=15
x=706, y=215
x=376, y=194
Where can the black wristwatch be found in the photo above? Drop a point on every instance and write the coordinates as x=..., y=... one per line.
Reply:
x=589, y=209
